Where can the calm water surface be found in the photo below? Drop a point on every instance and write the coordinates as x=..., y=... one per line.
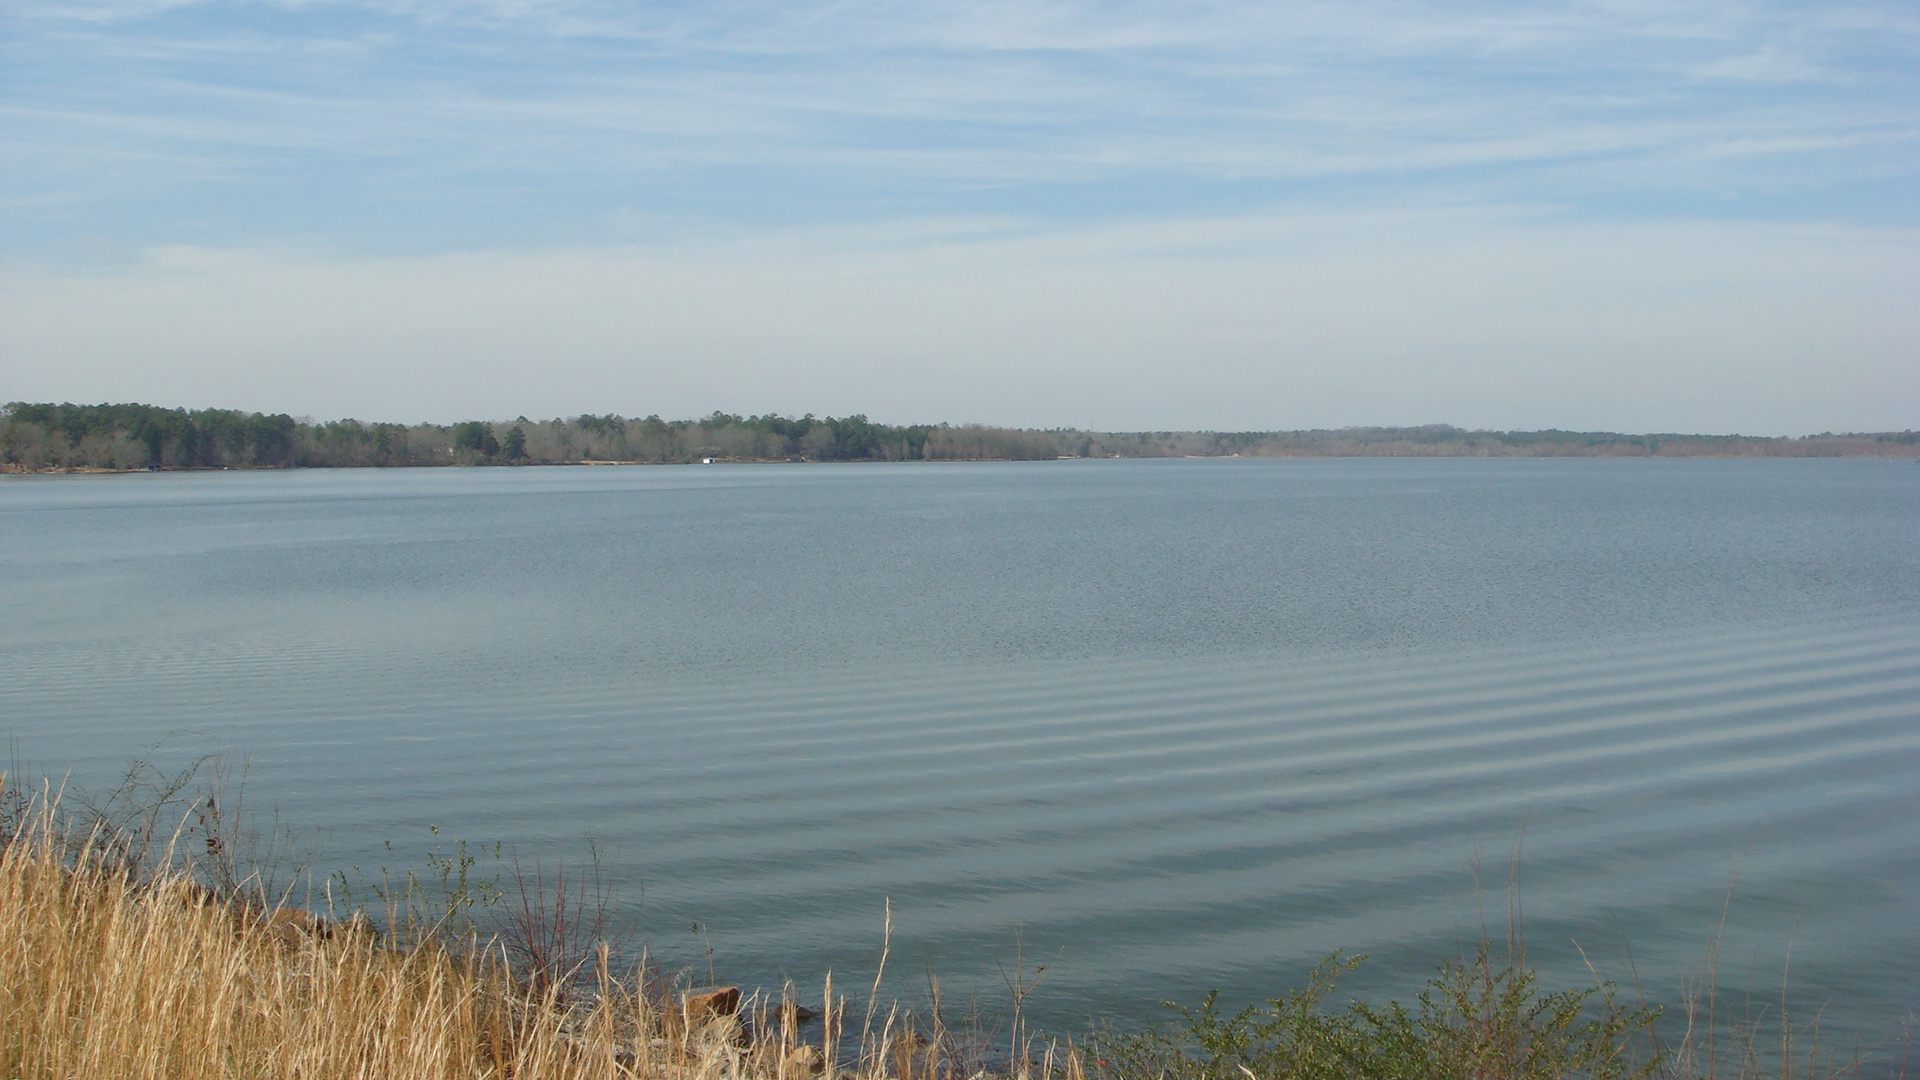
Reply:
x=1170, y=725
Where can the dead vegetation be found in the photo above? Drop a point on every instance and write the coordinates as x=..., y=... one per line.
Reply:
x=150, y=974
x=132, y=952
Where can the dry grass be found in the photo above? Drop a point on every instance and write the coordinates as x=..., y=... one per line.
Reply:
x=106, y=974
x=128, y=968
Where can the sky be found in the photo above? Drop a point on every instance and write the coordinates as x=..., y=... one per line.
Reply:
x=1620, y=215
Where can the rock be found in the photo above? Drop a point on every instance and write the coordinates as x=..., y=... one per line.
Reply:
x=804, y=1059
x=701, y=1004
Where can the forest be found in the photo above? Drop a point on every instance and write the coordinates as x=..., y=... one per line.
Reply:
x=39, y=437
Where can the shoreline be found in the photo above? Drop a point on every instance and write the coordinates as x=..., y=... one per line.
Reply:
x=131, y=437
x=11, y=469
x=425, y=995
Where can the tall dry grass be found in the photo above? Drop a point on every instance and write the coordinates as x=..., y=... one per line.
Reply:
x=106, y=974
x=119, y=968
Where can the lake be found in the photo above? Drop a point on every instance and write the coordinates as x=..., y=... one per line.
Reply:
x=1159, y=726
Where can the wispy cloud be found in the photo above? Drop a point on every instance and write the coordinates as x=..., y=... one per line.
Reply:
x=950, y=107
x=1150, y=213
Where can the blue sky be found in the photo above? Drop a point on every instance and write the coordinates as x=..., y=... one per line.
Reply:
x=1220, y=215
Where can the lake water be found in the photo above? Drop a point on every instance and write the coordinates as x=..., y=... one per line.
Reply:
x=1170, y=725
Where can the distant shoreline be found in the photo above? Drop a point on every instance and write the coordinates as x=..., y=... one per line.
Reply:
x=9, y=469
x=66, y=438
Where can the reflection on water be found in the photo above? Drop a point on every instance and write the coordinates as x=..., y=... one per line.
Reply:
x=1177, y=724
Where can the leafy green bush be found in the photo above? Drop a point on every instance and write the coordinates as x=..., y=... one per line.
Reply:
x=1475, y=1020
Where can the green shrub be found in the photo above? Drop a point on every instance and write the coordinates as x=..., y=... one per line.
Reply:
x=1475, y=1020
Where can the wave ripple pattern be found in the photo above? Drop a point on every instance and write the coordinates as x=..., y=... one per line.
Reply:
x=1160, y=726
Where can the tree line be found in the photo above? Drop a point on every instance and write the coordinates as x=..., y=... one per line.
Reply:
x=43, y=436
x=38, y=436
